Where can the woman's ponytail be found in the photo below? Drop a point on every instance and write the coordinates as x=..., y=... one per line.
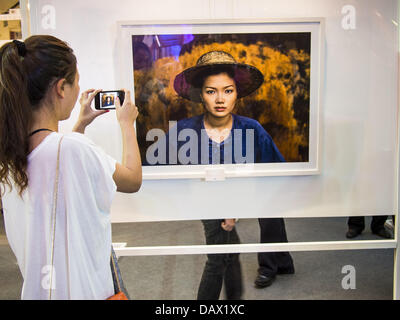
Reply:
x=15, y=116
x=27, y=71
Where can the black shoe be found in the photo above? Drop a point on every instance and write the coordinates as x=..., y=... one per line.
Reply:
x=289, y=270
x=384, y=233
x=263, y=281
x=352, y=233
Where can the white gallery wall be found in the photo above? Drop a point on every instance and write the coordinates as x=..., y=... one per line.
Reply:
x=359, y=108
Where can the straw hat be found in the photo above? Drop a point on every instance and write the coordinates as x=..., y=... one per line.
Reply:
x=247, y=78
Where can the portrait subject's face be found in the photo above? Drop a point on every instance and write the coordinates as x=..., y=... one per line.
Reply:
x=219, y=95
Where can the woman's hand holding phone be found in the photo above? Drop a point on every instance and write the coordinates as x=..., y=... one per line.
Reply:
x=128, y=112
x=87, y=114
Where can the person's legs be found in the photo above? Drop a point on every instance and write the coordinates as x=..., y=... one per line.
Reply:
x=285, y=263
x=378, y=223
x=378, y=227
x=220, y=266
x=233, y=273
x=273, y=230
x=271, y=263
x=212, y=278
x=355, y=225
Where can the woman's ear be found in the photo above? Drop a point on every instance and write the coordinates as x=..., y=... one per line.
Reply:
x=59, y=86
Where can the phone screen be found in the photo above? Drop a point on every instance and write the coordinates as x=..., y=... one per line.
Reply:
x=107, y=99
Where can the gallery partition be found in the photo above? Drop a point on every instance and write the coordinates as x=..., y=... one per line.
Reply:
x=329, y=100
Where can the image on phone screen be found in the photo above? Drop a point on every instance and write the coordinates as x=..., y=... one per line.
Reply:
x=107, y=100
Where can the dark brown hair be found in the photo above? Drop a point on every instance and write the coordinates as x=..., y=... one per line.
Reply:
x=25, y=77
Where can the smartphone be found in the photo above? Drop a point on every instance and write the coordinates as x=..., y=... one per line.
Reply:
x=106, y=99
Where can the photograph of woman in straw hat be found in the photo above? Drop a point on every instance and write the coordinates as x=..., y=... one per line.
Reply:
x=218, y=136
x=272, y=77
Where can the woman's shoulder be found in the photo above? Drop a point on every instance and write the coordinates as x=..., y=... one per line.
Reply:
x=241, y=122
x=76, y=140
x=77, y=145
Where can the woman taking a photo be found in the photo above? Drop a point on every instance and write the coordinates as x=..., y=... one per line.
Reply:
x=58, y=220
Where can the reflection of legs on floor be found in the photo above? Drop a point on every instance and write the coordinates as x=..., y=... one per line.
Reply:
x=378, y=227
x=389, y=224
x=212, y=278
x=378, y=223
x=272, y=230
x=220, y=268
x=233, y=278
x=357, y=224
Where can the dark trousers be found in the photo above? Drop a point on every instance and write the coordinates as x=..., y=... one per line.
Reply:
x=220, y=268
x=358, y=223
x=270, y=263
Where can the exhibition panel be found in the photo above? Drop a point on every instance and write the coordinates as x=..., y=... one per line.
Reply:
x=347, y=152
x=247, y=110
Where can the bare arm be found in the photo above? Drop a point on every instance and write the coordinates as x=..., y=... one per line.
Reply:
x=128, y=175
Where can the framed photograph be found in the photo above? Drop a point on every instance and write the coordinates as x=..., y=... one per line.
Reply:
x=225, y=98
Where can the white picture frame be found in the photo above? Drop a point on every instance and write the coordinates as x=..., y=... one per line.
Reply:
x=314, y=26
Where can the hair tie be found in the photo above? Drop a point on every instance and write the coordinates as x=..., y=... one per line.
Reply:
x=21, y=47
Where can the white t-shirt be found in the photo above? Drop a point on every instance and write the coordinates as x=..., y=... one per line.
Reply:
x=83, y=227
